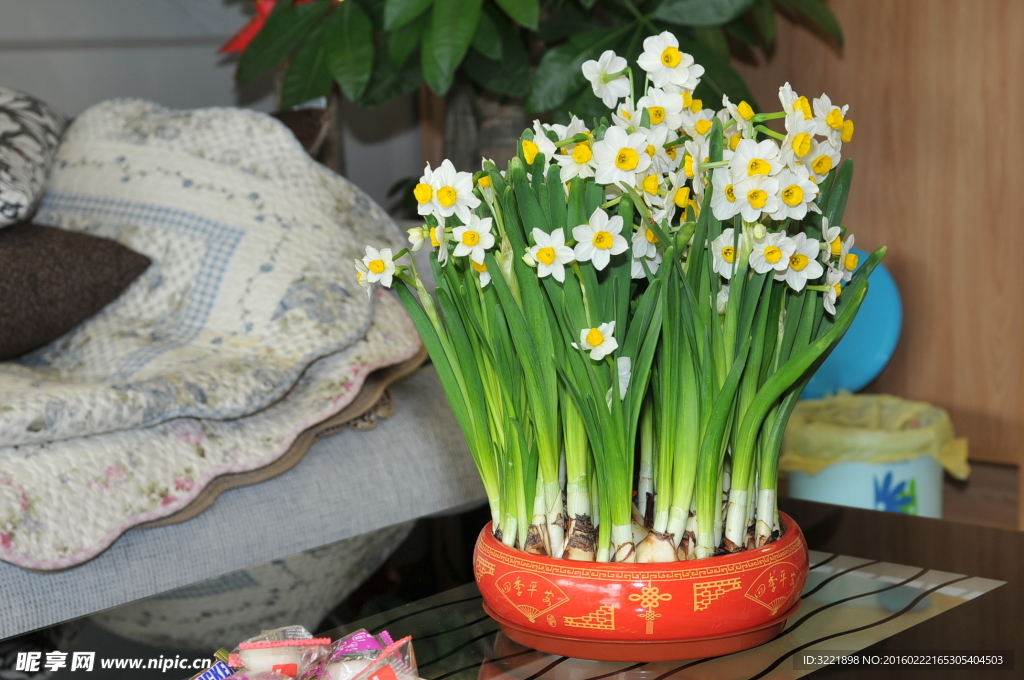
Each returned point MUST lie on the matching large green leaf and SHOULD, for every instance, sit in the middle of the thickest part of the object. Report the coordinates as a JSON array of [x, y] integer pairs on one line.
[[764, 16], [566, 21], [509, 75], [284, 30], [700, 12], [308, 76], [818, 14], [558, 76], [404, 41], [447, 39], [387, 82], [523, 12], [398, 13], [487, 40], [350, 48]]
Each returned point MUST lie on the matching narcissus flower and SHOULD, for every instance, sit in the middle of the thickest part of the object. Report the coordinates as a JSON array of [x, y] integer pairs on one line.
[[723, 253], [756, 195], [551, 254], [379, 266], [830, 120], [741, 113], [848, 260], [772, 253], [624, 369], [481, 269], [579, 162], [636, 267], [645, 242], [835, 289], [725, 201], [799, 142], [606, 77], [417, 235], [361, 276], [794, 103], [666, 64], [822, 158], [722, 300], [599, 239], [424, 192], [796, 194], [473, 239], [453, 192], [600, 341], [664, 110], [803, 263], [753, 159], [620, 157]]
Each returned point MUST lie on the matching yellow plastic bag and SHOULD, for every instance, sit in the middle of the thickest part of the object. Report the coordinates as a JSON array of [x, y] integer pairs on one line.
[[869, 428]]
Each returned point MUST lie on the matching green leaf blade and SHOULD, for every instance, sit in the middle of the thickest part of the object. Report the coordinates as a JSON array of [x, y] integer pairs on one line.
[[700, 12], [453, 24], [350, 48], [398, 13], [286, 26]]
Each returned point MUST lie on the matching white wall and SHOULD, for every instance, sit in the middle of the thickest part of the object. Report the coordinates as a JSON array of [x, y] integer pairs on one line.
[[75, 53]]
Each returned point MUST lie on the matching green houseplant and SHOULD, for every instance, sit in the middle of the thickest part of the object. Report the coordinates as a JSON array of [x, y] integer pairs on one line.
[[377, 50]]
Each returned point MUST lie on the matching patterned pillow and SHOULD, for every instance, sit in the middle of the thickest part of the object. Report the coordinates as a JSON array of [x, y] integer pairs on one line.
[[29, 134]]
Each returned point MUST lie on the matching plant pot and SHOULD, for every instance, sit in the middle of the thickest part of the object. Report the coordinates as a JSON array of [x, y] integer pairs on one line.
[[642, 612]]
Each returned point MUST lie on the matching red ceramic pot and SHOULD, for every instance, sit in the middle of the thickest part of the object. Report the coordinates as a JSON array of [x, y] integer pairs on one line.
[[642, 612]]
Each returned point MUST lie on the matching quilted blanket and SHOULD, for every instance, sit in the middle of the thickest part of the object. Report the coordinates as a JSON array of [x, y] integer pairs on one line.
[[247, 329], [252, 244]]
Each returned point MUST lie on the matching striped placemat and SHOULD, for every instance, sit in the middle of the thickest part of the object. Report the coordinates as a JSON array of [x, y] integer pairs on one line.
[[849, 603]]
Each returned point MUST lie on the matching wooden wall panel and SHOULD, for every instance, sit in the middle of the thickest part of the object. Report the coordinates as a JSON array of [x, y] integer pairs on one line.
[[936, 90]]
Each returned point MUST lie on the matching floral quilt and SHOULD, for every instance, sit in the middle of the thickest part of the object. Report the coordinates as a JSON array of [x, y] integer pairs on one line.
[[247, 328]]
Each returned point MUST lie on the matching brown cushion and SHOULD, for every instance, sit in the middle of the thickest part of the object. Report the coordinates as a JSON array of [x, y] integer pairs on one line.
[[52, 279], [309, 126]]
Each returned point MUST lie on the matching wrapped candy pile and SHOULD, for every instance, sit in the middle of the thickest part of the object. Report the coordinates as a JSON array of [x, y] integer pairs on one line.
[[292, 652]]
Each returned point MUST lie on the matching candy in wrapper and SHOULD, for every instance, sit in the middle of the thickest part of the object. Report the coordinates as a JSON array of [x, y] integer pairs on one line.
[[396, 662], [352, 654], [291, 652], [247, 675]]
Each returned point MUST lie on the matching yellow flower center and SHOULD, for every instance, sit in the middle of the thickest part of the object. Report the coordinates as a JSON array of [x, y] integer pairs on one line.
[[804, 107], [603, 240], [728, 253], [772, 254], [484, 181], [834, 119], [758, 166], [626, 158], [793, 195], [734, 141], [687, 100], [657, 114], [376, 266], [446, 196], [360, 277], [836, 247], [688, 165], [530, 151], [650, 235], [702, 126], [582, 153], [757, 198], [671, 56], [838, 289], [822, 164], [423, 193], [696, 105], [798, 262], [682, 197], [801, 144], [650, 150], [546, 255], [433, 237], [847, 133], [730, 194], [470, 238], [671, 152], [651, 184], [478, 267], [745, 110], [595, 337], [851, 261]]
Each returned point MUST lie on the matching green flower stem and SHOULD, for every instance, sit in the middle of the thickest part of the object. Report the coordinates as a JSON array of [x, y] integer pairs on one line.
[[761, 117], [609, 77], [712, 164], [575, 139], [771, 133]]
